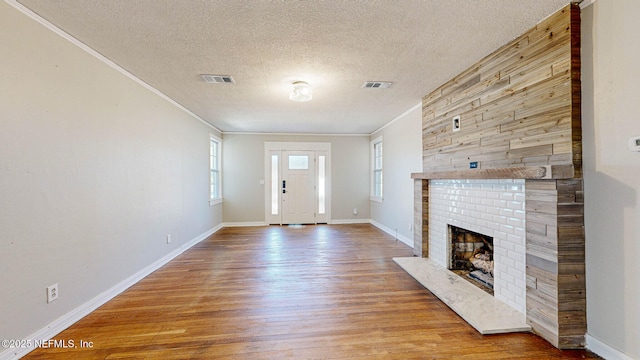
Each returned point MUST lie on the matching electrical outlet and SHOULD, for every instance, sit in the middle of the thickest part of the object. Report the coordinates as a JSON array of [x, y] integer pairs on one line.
[[52, 292], [410, 226], [355, 211], [168, 238]]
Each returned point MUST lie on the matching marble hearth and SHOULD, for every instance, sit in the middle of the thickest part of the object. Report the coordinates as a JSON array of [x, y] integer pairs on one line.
[[492, 207], [484, 312]]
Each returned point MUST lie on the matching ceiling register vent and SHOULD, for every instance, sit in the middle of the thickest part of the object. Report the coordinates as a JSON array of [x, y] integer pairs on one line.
[[377, 84], [218, 79]]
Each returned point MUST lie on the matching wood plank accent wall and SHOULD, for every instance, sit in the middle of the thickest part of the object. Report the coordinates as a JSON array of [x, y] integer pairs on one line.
[[421, 217], [519, 106], [556, 298], [520, 118]]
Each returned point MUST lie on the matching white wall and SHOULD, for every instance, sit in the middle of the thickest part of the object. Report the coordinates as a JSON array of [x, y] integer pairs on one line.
[[243, 168], [610, 82], [402, 155], [95, 171]]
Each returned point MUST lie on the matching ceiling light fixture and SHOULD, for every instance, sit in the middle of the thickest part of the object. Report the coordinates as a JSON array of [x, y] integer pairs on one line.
[[300, 91]]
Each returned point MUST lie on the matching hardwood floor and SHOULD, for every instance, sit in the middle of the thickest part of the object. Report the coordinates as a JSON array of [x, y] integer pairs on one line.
[[312, 292]]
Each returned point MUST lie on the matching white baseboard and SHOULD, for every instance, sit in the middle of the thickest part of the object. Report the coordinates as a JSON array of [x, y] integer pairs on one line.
[[349, 221], [334, 222], [392, 232], [244, 224], [604, 350], [85, 309]]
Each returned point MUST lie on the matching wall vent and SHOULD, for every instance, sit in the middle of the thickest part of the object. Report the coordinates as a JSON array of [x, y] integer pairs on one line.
[[377, 84], [218, 79]]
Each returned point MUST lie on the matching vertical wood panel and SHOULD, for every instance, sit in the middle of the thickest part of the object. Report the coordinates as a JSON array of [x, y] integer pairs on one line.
[[421, 218], [417, 217]]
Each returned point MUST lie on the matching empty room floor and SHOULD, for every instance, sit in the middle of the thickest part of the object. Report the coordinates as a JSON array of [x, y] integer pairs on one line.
[[280, 292]]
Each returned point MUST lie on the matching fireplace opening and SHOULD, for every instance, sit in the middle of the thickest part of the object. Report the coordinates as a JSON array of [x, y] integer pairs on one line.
[[472, 257]]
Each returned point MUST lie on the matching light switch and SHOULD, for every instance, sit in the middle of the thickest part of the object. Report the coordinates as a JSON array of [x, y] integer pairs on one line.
[[455, 123], [634, 143]]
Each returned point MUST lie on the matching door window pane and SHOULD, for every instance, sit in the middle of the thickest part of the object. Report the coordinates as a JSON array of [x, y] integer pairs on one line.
[[298, 162]]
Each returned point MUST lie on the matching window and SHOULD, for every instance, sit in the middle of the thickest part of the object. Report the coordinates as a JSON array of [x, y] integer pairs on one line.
[[376, 170], [298, 162], [215, 187], [322, 194], [274, 184]]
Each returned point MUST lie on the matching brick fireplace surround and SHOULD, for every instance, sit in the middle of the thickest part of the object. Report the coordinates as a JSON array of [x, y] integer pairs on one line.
[[495, 208], [554, 302], [520, 121]]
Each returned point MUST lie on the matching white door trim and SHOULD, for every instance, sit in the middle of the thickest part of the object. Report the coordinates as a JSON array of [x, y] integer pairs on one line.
[[277, 148]]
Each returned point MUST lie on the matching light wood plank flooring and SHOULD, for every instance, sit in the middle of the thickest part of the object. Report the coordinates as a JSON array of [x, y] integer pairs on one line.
[[316, 292]]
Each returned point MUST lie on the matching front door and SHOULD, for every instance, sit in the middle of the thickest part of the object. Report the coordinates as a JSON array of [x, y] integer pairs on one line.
[[298, 187]]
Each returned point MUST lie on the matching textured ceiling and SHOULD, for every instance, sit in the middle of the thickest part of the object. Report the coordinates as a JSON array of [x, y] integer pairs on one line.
[[266, 45]]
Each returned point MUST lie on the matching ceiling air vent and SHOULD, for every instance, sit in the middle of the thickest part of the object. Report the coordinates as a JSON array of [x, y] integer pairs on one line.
[[377, 84], [218, 79]]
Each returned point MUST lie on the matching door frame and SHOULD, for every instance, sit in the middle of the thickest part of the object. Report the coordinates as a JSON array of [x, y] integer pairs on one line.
[[319, 148]]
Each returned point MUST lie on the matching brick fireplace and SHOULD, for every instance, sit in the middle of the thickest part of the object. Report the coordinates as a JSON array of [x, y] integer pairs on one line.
[[553, 262], [512, 169], [495, 208]]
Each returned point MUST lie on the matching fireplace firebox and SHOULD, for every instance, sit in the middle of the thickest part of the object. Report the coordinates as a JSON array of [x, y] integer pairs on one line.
[[472, 256]]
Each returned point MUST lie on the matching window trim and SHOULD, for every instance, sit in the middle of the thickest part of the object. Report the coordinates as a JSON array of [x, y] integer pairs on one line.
[[372, 195], [218, 163]]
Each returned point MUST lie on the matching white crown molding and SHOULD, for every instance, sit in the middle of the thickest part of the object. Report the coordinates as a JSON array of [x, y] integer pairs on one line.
[[103, 59], [586, 3], [419, 105], [286, 134]]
